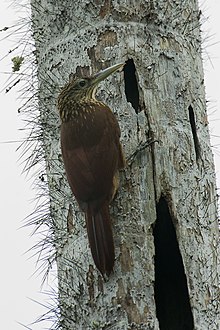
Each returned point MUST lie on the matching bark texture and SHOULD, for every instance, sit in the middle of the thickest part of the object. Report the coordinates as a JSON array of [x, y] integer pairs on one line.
[[170, 181]]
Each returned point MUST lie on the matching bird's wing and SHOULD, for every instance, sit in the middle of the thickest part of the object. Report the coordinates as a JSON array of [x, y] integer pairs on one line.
[[90, 167]]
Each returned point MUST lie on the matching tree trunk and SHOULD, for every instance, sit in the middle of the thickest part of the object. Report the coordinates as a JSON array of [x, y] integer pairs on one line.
[[164, 218]]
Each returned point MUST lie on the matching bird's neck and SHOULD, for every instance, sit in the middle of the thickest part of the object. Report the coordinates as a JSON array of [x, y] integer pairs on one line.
[[76, 109]]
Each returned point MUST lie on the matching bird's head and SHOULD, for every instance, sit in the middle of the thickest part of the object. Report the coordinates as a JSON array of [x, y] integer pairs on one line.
[[81, 89]]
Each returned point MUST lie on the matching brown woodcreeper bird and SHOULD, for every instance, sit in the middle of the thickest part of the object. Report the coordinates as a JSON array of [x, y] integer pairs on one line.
[[92, 156]]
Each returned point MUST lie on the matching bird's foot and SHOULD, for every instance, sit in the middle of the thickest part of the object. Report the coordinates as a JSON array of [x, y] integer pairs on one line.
[[141, 146]]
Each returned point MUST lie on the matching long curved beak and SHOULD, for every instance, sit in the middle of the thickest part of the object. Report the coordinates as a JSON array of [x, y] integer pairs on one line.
[[101, 75]]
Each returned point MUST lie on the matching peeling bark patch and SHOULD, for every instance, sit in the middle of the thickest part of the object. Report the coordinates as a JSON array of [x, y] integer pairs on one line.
[[125, 299], [100, 284], [80, 71], [70, 219], [90, 284], [105, 9], [194, 132], [125, 259], [107, 39], [96, 53], [131, 85], [170, 290]]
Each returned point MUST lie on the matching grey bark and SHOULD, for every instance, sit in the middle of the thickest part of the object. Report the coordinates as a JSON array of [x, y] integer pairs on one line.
[[163, 39]]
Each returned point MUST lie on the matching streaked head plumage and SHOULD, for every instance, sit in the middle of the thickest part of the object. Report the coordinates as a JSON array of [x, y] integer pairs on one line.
[[81, 89]]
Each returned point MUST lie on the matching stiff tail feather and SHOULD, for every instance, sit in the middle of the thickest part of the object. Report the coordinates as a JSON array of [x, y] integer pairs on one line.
[[100, 236]]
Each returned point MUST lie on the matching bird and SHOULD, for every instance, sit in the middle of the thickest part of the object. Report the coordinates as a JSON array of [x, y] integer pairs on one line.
[[92, 155]]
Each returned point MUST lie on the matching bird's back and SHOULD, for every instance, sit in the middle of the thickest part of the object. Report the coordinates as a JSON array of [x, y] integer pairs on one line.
[[91, 152]]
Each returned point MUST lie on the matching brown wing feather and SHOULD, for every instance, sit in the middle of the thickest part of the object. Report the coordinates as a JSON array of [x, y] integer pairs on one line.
[[90, 167], [92, 155]]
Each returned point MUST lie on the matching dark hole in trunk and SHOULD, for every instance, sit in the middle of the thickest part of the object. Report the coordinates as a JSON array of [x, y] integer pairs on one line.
[[194, 133], [131, 85], [171, 293]]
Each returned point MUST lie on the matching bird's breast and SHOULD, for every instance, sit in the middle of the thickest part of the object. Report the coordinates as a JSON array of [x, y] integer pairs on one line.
[[86, 125]]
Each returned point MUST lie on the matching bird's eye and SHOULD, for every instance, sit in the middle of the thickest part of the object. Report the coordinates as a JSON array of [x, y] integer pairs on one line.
[[82, 83]]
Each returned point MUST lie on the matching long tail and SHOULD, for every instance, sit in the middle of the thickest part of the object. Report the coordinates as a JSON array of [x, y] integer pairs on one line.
[[99, 231]]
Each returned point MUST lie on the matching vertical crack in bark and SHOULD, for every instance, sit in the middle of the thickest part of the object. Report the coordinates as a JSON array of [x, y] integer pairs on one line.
[[131, 85], [194, 133], [70, 225], [171, 292]]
